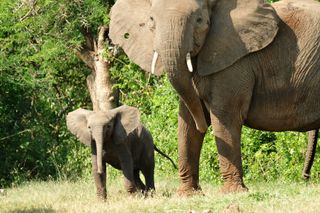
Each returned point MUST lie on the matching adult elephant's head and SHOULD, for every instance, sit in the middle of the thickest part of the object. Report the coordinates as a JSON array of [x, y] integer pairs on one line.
[[98, 128], [216, 32]]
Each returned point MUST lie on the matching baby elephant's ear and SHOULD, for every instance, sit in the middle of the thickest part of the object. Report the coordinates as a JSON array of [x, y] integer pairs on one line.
[[77, 124], [127, 119]]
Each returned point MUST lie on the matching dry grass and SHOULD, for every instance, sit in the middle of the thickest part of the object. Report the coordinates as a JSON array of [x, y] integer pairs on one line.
[[80, 197]]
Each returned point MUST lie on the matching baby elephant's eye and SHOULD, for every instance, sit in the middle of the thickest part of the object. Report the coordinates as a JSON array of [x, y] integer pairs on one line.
[[199, 20], [151, 18]]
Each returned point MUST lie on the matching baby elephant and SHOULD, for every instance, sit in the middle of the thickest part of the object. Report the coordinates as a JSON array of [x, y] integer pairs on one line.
[[116, 137]]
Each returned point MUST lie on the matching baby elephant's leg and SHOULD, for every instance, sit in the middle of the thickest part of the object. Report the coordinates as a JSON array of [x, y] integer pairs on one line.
[[126, 163], [100, 179], [137, 180], [148, 173]]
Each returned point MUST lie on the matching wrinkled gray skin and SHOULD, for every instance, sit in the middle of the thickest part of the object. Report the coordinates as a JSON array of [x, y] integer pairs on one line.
[[253, 64], [118, 138], [311, 151]]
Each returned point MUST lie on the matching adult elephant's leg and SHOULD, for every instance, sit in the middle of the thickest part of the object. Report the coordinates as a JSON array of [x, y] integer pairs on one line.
[[227, 130], [100, 179], [312, 144], [189, 146]]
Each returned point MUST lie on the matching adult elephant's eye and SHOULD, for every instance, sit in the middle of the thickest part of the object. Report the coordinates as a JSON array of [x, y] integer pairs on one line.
[[151, 23], [199, 20]]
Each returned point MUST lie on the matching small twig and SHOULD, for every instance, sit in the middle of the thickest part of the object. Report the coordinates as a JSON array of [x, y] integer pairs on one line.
[[120, 61], [18, 7], [19, 133], [30, 12]]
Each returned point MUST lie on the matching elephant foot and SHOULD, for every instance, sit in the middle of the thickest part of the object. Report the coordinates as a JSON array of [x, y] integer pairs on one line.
[[189, 190], [130, 186], [141, 188], [102, 197], [132, 190], [101, 194], [233, 187], [306, 176], [148, 193]]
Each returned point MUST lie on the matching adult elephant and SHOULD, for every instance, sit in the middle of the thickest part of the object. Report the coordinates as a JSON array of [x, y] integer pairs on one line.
[[233, 63]]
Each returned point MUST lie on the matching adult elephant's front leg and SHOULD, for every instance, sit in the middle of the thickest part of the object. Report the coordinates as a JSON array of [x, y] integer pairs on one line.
[[189, 146], [227, 130], [100, 179]]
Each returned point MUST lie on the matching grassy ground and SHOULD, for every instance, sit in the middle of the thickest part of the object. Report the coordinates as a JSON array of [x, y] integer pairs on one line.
[[80, 197]]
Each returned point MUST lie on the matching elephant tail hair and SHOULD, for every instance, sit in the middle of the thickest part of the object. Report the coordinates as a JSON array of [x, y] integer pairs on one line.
[[166, 156]]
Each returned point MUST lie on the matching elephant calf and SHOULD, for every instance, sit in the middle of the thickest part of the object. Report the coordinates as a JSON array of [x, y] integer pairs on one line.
[[116, 137]]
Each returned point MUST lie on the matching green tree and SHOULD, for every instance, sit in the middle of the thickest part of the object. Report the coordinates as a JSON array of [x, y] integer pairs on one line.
[[41, 80]]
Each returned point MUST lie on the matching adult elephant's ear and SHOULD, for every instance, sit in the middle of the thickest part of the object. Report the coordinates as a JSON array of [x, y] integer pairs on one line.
[[238, 27], [127, 119], [131, 29], [77, 124]]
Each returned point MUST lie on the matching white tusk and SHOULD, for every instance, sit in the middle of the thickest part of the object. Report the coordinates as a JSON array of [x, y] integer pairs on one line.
[[154, 62], [189, 63]]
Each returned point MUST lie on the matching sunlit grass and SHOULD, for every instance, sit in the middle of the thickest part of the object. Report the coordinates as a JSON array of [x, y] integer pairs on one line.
[[79, 196]]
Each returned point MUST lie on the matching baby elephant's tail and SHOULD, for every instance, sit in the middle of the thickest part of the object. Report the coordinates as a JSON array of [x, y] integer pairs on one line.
[[166, 156]]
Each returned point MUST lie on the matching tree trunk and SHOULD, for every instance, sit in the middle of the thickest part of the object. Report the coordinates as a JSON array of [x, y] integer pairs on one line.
[[99, 81]]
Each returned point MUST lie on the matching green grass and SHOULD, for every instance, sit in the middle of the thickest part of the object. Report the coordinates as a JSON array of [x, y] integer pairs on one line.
[[79, 196]]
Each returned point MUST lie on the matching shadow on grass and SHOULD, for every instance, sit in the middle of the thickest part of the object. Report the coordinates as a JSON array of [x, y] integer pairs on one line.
[[33, 210]]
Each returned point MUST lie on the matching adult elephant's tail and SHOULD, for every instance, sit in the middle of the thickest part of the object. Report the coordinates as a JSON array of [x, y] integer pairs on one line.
[[311, 150]]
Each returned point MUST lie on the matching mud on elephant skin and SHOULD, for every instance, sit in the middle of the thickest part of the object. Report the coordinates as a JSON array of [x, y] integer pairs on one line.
[[118, 138], [245, 62]]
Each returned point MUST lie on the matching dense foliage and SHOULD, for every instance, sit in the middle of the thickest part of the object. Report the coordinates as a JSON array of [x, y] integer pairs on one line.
[[41, 80]]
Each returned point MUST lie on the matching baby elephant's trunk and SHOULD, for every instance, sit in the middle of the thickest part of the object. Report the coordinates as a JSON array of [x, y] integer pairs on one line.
[[99, 147]]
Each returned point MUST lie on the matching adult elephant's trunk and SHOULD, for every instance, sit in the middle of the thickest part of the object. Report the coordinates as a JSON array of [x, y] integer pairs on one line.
[[174, 48], [312, 143]]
